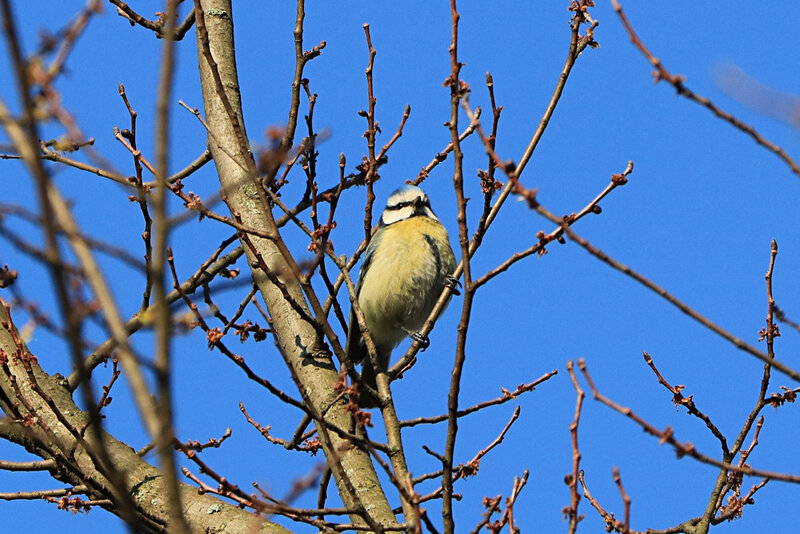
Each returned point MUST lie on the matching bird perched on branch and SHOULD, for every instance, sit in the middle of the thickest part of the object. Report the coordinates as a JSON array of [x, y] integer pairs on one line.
[[406, 266]]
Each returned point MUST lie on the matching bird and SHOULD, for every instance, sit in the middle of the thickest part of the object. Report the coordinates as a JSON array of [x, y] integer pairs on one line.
[[406, 266]]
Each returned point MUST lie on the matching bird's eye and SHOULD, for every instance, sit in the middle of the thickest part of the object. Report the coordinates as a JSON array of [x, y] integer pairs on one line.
[[416, 201], [398, 206]]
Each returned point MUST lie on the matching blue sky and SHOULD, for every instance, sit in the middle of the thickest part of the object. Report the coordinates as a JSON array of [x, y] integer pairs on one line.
[[697, 217]]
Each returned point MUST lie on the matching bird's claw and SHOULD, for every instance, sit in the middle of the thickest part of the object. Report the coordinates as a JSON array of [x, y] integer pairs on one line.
[[422, 339], [453, 284]]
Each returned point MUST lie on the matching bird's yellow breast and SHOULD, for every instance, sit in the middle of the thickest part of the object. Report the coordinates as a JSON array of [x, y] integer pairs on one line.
[[404, 278]]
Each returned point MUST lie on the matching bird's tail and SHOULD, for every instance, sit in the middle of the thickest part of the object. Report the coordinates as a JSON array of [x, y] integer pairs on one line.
[[367, 399]]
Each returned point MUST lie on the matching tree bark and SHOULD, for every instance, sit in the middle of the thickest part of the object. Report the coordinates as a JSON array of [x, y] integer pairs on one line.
[[32, 422], [305, 351]]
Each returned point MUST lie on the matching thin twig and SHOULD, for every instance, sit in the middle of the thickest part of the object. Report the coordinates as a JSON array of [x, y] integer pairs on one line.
[[572, 480], [738, 343], [678, 82]]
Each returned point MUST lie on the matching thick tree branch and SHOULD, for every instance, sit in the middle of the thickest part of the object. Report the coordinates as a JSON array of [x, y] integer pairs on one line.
[[306, 355], [48, 435]]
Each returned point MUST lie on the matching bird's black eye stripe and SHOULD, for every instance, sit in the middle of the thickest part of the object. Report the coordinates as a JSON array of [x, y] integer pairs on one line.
[[398, 206], [401, 205]]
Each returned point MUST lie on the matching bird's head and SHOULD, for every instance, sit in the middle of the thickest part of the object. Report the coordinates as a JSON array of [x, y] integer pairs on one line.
[[406, 202]]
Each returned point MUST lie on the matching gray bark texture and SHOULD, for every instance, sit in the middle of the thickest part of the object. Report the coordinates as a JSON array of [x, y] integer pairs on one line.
[[42, 417], [306, 353]]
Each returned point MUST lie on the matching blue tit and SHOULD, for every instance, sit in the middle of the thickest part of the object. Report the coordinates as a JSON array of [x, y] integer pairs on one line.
[[406, 265]]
